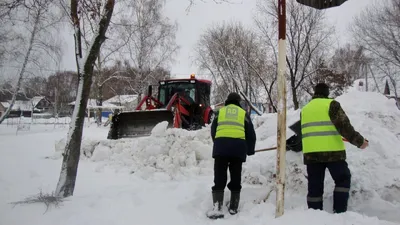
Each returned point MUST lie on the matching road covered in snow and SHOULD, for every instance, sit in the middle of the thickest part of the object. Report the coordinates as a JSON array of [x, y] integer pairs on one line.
[[166, 178]]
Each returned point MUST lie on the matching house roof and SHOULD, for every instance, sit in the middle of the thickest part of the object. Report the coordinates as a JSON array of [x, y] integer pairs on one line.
[[5, 104], [35, 100], [24, 105], [122, 99], [93, 105]]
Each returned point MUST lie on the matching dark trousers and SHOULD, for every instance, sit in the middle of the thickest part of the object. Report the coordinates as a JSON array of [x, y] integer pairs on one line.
[[221, 165], [340, 174]]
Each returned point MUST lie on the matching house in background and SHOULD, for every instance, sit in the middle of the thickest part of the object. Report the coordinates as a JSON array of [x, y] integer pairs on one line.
[[38, 106], [129, 102], [91, 107]]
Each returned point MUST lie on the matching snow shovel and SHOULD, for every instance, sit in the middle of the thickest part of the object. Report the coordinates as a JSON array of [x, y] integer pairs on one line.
[[296, 128]]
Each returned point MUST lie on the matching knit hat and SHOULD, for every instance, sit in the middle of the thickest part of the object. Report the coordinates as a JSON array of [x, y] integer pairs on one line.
[[233, 98], [321, 89]]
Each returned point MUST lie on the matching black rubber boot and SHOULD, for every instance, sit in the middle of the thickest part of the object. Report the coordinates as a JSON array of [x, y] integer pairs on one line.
[[340, 202], [234, 203], [218, 199]]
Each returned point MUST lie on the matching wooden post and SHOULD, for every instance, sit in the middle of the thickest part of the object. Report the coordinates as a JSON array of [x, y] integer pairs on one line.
[[281, 129]]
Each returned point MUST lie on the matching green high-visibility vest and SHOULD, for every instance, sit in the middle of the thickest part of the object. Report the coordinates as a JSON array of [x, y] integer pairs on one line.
[[231, 122], [318, 132]]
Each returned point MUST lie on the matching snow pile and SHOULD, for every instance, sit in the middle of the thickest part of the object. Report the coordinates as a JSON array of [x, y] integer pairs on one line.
[[166, 154]]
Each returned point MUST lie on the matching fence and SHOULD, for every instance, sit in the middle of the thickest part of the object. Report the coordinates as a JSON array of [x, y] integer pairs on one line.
[[19, 121]]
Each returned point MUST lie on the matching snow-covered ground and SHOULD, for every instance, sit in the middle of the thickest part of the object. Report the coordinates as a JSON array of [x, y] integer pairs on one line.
[[166, 178]]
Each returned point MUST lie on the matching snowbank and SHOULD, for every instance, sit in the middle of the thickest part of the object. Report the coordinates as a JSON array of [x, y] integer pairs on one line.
[[166, 154]]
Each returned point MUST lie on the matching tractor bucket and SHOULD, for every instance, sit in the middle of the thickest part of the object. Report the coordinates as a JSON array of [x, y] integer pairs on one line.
[[138, 123]]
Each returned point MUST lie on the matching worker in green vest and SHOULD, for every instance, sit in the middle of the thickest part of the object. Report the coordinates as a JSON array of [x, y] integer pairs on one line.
[[323, 124], [234, 139]]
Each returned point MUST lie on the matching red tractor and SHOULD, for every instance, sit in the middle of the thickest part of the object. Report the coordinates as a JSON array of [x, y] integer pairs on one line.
[[184, 103]]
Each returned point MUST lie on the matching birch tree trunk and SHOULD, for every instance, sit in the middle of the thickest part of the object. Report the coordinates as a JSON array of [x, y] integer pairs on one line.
[[25, 62], [69, 167], [99, 91]]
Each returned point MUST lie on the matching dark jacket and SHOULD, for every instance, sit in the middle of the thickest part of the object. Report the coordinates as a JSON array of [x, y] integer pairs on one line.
[[344, 127], [234, 147]]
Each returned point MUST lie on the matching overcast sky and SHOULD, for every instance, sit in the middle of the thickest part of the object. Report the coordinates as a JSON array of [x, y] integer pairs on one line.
[[203, 14]]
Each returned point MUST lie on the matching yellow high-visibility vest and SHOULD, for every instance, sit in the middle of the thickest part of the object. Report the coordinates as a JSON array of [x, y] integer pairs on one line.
[[231, 122], [318, 132]]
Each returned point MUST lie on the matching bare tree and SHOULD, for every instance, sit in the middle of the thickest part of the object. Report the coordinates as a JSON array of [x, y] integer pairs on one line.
[[85, 66], [193, 2], [61, 88], [339, 71], [110, 50], [350, 60], [35, 86], [233, 56], [7, 7], [141, 35], [337, 81], [392, 73], [308, 36], [151, 44], [115, 80], [3, 39], [6, 88], [37, 18], [377, 30]]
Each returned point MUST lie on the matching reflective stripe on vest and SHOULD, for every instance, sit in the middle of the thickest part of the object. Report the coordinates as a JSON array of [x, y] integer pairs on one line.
[[319, 134], [231, 122]]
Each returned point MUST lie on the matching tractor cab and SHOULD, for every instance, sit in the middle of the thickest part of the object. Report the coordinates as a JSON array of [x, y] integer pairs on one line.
[[167, 89], [195, 91]]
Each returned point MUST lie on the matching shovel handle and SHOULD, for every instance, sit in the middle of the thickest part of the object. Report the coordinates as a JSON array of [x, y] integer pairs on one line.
[[273, 148], [266, 149]]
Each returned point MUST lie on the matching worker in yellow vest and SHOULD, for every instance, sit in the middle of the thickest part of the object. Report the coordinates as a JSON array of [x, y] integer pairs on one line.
[[234, 139], [323, 124]]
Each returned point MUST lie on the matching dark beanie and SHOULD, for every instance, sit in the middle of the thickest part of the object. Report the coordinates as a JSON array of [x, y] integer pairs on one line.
[[233, 98], [321, 89]]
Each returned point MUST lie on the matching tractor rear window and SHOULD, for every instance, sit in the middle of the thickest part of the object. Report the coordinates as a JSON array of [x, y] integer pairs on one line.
[[204, 94]]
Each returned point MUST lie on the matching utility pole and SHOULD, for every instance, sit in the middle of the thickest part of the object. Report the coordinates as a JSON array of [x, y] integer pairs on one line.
[[55, 102], [281, 129], [373, 76], [366, 76]]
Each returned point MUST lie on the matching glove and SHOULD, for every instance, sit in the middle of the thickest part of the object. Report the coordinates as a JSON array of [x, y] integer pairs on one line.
[[365, 144]]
